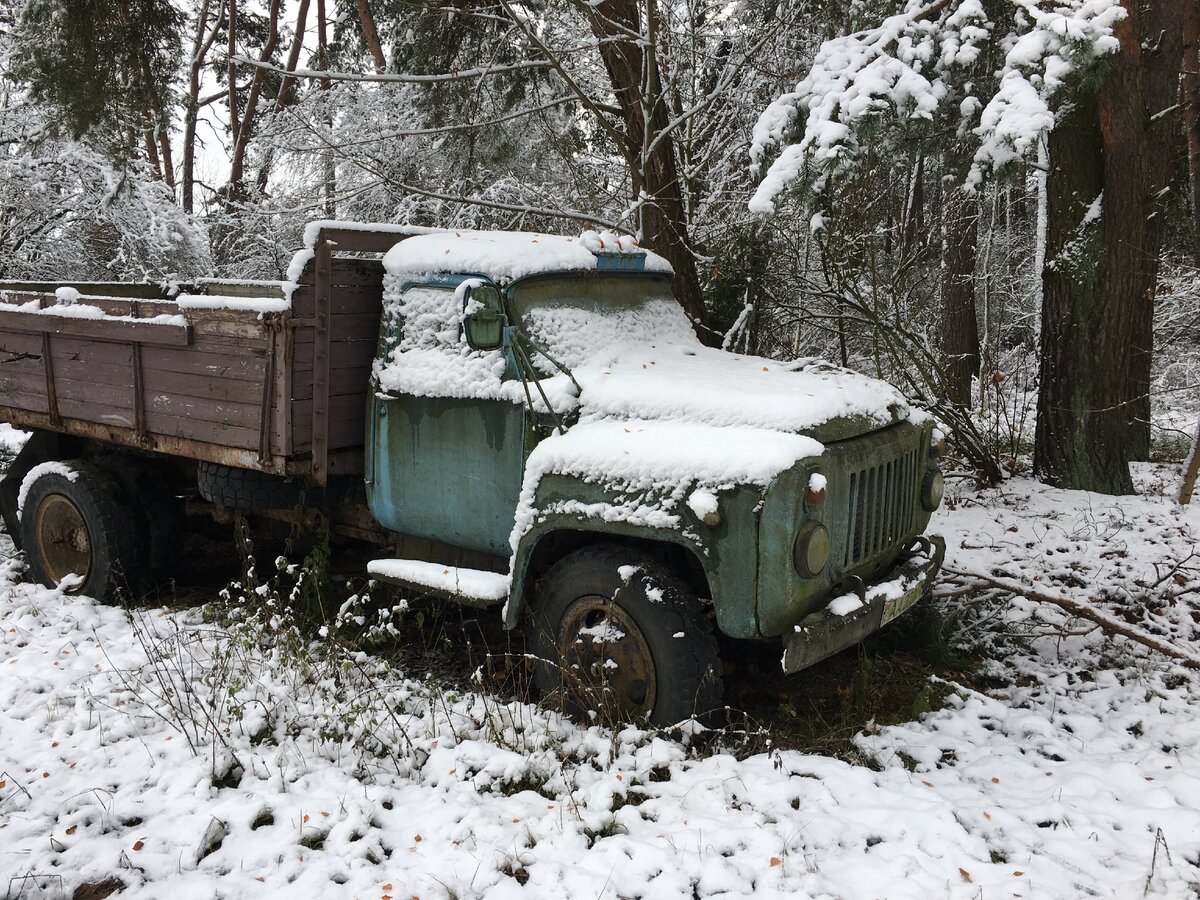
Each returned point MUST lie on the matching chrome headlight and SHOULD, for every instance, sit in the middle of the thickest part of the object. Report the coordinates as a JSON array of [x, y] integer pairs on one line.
[[810, 552]]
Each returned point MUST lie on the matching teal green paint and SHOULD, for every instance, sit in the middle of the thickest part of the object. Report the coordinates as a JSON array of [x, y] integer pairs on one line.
[[727, 553], [784, 597], [449, 470]]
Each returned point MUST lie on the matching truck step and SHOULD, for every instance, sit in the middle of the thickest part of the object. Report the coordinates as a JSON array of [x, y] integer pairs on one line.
[[472, 587]]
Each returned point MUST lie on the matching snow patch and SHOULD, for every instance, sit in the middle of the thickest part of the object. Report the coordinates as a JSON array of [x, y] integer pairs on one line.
[[474, 583], [260, 305], [52, 467], [703, 503]]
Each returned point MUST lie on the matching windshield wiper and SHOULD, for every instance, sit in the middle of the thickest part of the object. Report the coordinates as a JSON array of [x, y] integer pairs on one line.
[[525, 368]]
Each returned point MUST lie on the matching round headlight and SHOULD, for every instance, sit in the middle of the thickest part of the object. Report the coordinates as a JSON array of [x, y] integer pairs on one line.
[[932, 490], [810, 553]]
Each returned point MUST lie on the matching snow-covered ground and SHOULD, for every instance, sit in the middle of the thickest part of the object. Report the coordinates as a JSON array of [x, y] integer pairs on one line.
[[1078, 775]]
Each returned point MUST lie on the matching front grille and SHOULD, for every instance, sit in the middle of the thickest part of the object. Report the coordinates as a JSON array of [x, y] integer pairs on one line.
[[882, 503]]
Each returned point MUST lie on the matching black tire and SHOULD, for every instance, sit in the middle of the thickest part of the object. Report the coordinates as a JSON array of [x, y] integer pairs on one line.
[[158, 514], [68, 524], [246, 488], [669, 668]]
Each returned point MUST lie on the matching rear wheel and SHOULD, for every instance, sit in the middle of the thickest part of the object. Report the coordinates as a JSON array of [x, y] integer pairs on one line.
[[158, 515], [75, 528], [618, 633], [246, 488]]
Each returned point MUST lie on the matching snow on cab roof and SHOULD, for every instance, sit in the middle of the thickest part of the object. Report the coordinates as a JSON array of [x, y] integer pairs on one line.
[[506, 256]]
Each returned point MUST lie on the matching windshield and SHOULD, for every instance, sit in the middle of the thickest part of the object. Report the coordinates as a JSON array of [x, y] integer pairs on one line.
[[575, 317]]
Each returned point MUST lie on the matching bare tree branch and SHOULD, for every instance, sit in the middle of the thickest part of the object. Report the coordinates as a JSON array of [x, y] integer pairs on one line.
[[394, 78]]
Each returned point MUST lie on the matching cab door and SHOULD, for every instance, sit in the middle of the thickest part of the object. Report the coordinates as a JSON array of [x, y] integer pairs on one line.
[[446, 452]]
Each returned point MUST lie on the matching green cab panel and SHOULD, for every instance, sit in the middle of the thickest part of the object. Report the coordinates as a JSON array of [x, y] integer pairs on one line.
[[446, 469], [872, 512]]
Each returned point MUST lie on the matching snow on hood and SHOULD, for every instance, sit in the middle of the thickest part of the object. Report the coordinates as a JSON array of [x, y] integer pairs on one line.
[[503, 256], [717, 388]]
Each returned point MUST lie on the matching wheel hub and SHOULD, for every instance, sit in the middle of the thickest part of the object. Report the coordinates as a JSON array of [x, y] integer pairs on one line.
[[607, 664], [62, 538]]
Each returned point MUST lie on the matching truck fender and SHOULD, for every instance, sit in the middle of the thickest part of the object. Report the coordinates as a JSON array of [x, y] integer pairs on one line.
[[42, 446], [548, 542]]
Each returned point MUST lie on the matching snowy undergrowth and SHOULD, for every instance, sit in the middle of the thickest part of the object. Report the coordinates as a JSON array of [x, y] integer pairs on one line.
[[192, 759]]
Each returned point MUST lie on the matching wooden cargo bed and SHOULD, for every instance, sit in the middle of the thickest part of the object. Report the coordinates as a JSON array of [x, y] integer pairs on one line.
[[281, 391]]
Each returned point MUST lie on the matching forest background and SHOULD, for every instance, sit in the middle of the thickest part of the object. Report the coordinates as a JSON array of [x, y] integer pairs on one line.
[[990, 202]]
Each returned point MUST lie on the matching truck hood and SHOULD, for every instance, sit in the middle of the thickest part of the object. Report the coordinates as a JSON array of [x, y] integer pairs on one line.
[[713, 387]]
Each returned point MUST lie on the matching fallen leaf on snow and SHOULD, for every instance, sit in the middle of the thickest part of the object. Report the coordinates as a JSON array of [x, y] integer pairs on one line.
[[966, 876]]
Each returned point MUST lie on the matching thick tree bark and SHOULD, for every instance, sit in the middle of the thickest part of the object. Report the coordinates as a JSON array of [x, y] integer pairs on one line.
[[1191, 110], [1107, 179], [960, 327], [634, 74], [1076, 445], [1138, 119]]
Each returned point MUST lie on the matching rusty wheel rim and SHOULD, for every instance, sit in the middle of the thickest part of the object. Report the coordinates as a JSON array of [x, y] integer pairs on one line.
[[62, 538], [607, 664]]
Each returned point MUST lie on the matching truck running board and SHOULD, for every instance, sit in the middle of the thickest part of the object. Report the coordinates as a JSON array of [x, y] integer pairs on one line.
[[471, 587]]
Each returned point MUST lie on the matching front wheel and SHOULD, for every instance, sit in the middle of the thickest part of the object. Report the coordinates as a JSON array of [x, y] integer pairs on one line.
[[74, 529], [619, 633]]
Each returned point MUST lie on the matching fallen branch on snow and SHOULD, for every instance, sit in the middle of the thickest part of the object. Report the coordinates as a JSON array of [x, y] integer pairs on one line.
[[1109, 623]]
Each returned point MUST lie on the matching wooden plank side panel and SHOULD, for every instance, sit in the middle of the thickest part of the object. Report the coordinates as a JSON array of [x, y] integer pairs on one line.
[[141, 332], [347, 421]]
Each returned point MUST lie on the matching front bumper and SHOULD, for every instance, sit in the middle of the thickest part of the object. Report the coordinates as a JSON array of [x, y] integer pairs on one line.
[[827, 632]]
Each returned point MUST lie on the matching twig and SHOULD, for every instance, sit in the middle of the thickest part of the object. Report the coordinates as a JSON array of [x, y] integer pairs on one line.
[[1086, 611]]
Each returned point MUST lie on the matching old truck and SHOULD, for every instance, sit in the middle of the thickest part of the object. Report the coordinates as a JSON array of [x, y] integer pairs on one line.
[[519, 420]]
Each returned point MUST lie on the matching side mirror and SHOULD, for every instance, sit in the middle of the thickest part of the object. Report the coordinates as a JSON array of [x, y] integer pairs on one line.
[[483, 317]]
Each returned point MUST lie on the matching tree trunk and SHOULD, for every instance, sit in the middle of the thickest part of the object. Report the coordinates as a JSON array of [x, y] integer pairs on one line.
[[1191, 110], [633, 72], [1078, 443], [1136, 101], [371, 36], [151, 148], [328, 164], [200, 46], [245, 132], [1108, 174], [287, 88], [168, 160], [960, 327]]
